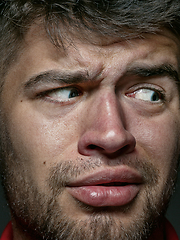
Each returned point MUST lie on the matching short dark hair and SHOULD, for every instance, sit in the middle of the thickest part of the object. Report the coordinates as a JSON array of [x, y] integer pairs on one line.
[[102, 17]]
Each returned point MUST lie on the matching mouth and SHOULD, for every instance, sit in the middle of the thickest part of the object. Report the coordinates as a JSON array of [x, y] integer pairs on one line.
[[111, 184], [108, 187]]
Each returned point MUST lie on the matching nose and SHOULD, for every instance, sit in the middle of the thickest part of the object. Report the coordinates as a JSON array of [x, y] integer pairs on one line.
[[104, 128]]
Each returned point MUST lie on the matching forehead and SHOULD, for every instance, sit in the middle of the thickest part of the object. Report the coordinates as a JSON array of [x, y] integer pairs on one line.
[[99, 55]]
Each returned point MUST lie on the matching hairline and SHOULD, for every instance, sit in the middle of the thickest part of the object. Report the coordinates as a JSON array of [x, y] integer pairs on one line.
[[59, 42]]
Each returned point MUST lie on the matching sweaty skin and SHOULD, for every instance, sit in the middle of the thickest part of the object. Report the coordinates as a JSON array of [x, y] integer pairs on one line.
[[84, 119]]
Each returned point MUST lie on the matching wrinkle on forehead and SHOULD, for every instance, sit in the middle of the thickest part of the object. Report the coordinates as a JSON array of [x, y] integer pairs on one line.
[[99, 59]]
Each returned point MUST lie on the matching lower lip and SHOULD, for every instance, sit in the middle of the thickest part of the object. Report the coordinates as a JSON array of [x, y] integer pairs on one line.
[[101, 196]]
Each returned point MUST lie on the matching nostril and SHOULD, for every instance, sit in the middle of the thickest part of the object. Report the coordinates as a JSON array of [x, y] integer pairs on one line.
[[119, 151], [92, 142], [92, 146], [125, 149], [111, 154]]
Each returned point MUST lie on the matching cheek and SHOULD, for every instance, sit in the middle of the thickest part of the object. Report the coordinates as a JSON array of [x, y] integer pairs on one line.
[[40, 143], [158, 139]]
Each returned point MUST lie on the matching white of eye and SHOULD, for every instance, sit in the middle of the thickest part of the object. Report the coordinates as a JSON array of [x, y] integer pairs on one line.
[[147, 95], [64, 94]]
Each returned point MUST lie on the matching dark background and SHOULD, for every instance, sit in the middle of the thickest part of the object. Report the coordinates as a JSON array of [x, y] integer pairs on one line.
[[173, 213]]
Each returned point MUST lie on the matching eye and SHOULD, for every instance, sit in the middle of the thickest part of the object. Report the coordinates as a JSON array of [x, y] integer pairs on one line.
[[63, 94], [149, 95]]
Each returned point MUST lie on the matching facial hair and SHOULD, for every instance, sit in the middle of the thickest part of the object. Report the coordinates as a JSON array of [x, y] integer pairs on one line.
[[41, 216]]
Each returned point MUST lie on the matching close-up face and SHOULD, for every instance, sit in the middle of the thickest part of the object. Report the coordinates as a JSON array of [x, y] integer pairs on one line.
[[91, 135]]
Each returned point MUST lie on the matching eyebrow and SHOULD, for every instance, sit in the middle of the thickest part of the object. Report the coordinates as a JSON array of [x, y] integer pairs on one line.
[[55, 76], [68, 77], [155, 71]]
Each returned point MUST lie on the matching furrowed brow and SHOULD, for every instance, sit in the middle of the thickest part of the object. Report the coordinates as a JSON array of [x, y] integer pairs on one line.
[[155, 71], [57, 77]]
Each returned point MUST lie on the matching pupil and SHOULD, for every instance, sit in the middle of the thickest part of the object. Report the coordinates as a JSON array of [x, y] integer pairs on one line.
[[74, 93], [155, 97]]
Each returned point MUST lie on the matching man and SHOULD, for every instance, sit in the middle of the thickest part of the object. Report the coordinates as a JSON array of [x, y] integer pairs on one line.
[[90, 118]]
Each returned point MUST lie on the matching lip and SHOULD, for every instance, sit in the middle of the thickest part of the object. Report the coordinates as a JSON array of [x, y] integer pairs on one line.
[[108, 187]]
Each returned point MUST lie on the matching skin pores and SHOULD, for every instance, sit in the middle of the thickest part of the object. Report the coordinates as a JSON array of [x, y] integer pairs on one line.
[[91, 134]]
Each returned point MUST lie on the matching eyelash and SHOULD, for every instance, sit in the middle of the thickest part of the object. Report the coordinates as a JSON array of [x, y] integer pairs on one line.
[[161, 92], [133, 90], [44, 94]]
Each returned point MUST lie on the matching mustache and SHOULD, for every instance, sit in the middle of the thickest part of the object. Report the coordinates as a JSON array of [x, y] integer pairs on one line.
[[63, 173]]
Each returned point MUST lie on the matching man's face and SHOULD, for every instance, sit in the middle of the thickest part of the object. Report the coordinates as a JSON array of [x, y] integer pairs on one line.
[[91, 135]]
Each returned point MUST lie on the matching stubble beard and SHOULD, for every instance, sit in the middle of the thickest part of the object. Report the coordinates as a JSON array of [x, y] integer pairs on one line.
[[41, 216]]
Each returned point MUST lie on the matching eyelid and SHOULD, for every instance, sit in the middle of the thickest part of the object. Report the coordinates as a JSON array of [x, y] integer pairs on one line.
[[44, 95], [55, 87], [150, 86], [146, 85], [147, 95]]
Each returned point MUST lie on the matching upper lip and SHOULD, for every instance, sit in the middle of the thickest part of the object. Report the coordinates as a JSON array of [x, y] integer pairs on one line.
[[118, 175]]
